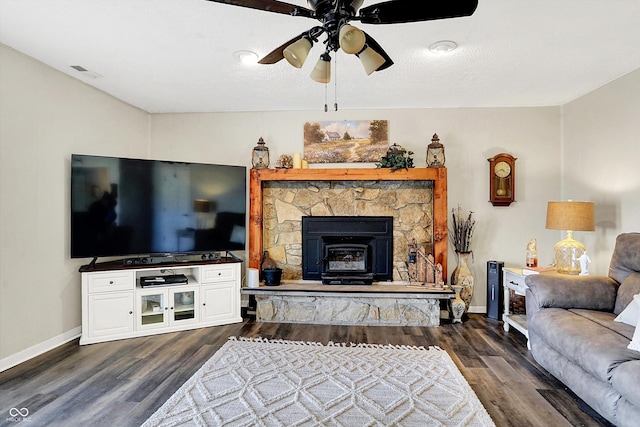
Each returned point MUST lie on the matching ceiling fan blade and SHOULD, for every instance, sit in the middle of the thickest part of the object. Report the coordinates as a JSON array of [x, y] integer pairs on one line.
[[399, 11], [270, 6], [277, 54]]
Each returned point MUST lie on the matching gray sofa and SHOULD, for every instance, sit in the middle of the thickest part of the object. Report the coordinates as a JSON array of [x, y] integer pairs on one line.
[[573, 335]]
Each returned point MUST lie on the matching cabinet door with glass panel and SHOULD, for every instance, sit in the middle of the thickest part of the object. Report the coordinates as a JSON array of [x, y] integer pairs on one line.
[[164, 307]]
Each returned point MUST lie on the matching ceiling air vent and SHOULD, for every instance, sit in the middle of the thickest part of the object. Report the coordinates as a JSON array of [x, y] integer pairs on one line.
[[86, 73]]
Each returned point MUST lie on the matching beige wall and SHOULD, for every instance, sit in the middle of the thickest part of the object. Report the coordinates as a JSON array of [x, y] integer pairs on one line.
[[601, 158], [45, 116], [470, 136]]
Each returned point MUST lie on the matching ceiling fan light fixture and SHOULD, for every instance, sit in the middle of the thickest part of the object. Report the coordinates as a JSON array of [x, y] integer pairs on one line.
[[322, 71], [371, 60], [351, 39], [296, 53]]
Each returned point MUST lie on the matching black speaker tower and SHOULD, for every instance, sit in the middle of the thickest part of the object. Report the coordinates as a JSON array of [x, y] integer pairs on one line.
[[495, 290]]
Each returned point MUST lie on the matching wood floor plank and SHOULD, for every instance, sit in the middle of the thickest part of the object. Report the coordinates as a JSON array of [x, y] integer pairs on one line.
[[538, 411], [572, 408], [121, 383]]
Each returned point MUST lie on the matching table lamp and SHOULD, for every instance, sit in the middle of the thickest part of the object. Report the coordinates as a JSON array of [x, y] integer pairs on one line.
[[571, 216]]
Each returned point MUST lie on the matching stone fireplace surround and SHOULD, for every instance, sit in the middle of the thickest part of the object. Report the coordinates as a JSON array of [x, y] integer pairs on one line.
[[280, 197]]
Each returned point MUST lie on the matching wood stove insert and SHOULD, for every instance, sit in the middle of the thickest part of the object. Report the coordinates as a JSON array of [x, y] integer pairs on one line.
[[347, 250]]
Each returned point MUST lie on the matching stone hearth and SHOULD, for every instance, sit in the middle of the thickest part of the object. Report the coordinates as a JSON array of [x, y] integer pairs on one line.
[[388, 304]]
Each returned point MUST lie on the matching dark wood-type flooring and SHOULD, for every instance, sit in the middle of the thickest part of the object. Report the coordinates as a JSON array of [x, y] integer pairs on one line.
[[121, 383]]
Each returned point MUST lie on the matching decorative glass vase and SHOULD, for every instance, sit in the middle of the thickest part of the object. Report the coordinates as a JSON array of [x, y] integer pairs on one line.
[[463, 278]]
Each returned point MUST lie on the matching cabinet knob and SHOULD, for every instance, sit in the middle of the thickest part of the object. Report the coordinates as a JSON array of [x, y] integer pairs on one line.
[[111, 282], [204, 303], [131, 312]]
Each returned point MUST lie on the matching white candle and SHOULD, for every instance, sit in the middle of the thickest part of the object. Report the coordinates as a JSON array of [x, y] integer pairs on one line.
[[305, 164], [297, 161], [253, 277]]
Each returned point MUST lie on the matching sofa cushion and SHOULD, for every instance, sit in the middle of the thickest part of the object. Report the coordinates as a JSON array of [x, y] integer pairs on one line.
[[595, 348], [625, 379], [606, 319], [626, 257], [628, 288]]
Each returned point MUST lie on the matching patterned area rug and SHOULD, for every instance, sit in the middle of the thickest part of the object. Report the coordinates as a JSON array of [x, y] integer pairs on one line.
[[257, 382]]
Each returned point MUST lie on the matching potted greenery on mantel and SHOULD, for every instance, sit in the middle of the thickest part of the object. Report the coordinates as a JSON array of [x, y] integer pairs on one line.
[[396, 158]]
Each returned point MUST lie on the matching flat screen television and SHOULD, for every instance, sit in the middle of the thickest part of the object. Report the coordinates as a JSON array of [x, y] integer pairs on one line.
[[137, 207]]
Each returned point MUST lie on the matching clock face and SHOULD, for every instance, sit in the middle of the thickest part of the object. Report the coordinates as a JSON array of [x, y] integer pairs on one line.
[[502, 169]]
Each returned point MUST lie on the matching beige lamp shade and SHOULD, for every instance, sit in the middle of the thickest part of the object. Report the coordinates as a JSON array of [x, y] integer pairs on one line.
[[574, 216], [322, 71], [570, 216], [371, 60], [351, 39], [296, 53]]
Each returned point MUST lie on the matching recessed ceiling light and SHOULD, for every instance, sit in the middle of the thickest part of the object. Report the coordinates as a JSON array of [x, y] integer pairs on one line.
[[245, 57], [443, 46]]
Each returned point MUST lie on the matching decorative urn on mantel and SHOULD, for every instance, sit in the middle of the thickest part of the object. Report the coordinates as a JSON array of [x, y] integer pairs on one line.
[[462, 281]]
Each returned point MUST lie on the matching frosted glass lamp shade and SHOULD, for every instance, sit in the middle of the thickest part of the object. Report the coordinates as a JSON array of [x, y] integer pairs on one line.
[[371, 60], [570, 216], [351, 39], [296, 53], [322, 71]]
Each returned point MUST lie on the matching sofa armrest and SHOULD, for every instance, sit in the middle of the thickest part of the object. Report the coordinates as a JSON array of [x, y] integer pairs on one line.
[[566, 291]]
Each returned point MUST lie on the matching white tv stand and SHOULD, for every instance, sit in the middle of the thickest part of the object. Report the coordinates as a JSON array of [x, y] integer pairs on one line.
[[115, 306]]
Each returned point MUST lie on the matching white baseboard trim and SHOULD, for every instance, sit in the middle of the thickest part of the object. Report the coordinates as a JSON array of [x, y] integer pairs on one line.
[[477, 309], [38, 349]]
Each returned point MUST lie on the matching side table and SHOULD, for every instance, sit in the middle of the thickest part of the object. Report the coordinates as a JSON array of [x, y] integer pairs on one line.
[[513, 278]]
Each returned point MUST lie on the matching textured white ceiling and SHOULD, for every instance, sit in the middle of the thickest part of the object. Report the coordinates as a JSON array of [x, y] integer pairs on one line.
[[177, 55]]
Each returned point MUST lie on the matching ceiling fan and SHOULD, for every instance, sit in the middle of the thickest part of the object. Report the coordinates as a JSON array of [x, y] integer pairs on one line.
[[335, 16]]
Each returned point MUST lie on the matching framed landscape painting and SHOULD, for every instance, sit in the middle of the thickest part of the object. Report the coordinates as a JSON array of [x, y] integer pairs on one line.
[[351, 141]]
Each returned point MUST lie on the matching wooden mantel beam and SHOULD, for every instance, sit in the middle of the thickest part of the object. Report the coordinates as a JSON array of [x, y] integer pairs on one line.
[[437, 175]]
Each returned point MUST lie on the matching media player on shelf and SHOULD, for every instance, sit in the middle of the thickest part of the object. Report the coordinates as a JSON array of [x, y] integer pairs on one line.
[[171, 279]]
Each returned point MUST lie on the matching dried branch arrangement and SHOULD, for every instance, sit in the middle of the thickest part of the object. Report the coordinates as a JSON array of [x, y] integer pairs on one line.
[[462, 230]]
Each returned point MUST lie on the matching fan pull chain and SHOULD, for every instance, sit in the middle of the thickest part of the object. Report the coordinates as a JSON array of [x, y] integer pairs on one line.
[[326, 108], [335, 82]]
